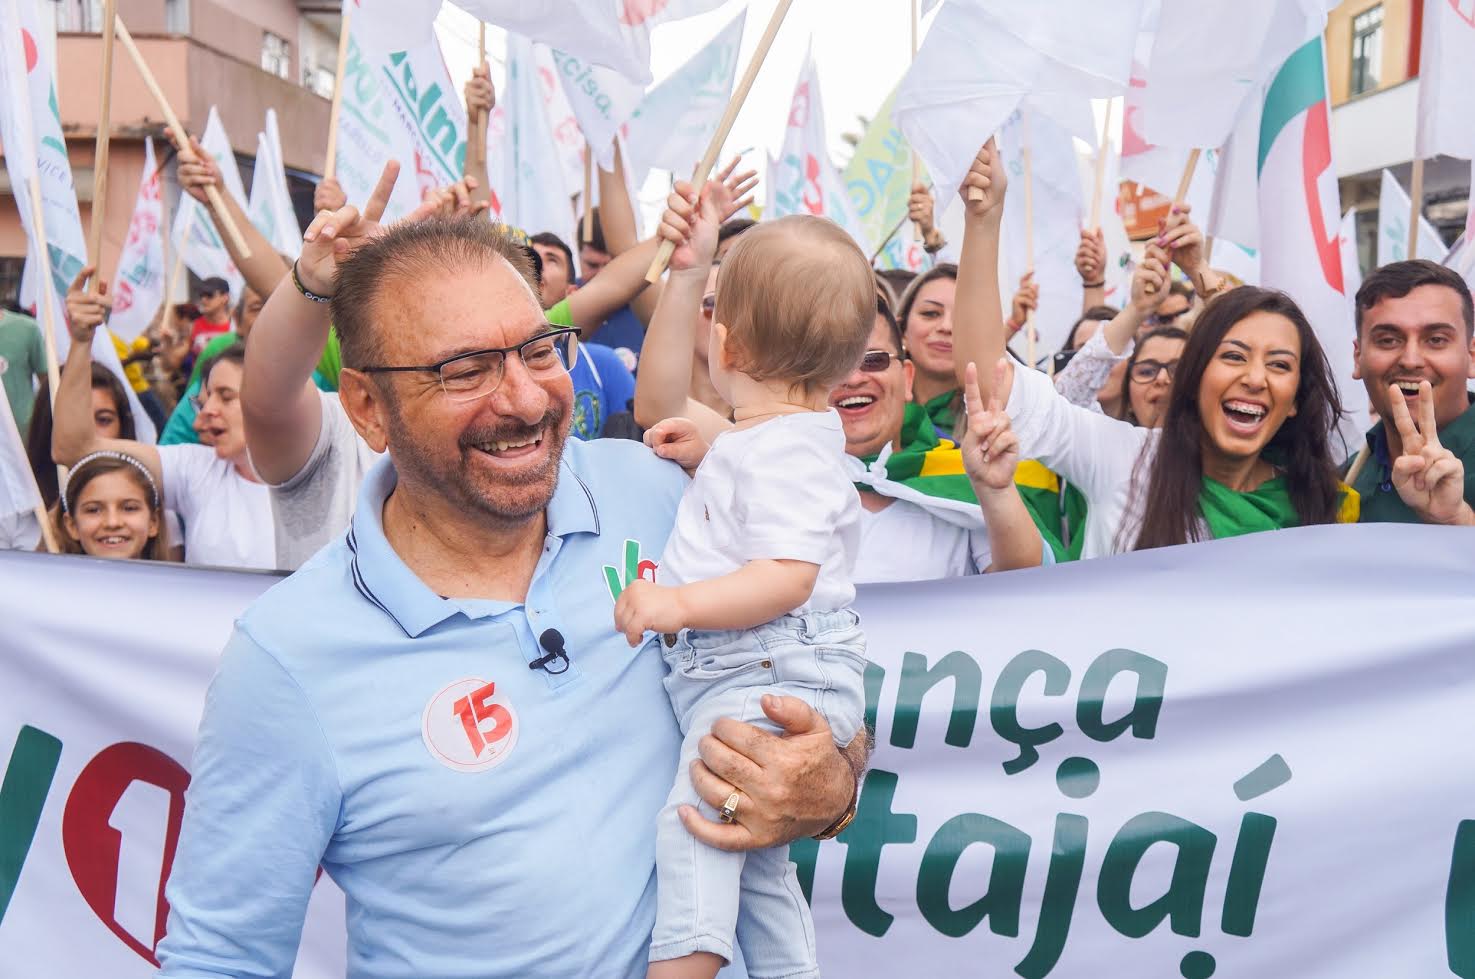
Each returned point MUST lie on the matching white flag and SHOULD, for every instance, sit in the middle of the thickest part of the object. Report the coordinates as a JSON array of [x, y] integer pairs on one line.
[[983, 57], [1446, 70], [18, 493], [1057, 205], [271, 205], [194, 235], [671, 128], [36, 154], [1211, 58], [602, 101], [1395, 208], [529, 178], [138, 288], [612, 33], [802, 178], [401, 106]]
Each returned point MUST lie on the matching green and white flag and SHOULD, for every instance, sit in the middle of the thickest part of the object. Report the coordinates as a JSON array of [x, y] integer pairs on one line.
[[397, 105], [879, 182]]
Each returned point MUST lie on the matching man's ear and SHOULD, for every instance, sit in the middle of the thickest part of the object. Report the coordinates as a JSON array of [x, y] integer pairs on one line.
[[365, 406], [1357, 359], [909, 374]]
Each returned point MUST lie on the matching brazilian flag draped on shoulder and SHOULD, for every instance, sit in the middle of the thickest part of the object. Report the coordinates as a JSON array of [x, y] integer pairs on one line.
[[1057, 507], [927, 470]]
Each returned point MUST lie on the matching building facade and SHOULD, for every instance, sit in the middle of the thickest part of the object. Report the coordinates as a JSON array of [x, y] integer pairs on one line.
[[242, 57]]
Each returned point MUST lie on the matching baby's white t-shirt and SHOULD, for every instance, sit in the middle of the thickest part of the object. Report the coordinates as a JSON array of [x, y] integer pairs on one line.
[[776, 491]]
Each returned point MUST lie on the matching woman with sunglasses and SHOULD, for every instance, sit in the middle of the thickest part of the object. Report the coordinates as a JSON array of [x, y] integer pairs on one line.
[[1244, 444]]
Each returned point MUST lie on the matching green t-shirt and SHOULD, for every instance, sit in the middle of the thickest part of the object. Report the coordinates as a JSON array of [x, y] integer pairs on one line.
[[1380, 501], [328, 365], [559, 314], [22, 359]]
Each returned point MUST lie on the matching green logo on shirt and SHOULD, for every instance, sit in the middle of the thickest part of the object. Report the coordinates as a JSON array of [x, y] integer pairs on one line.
[[634, 568]]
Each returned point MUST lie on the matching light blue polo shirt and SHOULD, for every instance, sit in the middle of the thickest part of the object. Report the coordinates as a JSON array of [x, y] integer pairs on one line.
[[483, 819]]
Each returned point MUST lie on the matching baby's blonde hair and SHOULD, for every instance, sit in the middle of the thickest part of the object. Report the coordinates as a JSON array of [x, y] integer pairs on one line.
[[798, 299]]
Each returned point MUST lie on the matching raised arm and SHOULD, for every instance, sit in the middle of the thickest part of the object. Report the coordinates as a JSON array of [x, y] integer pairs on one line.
[[265, 268], [73, 433], [480, 100], [663, 386], [281, 407], [979, 334], [617, 218]]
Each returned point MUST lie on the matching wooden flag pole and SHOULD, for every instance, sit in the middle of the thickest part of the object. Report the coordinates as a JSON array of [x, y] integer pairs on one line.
[[1029, 236], [916, 228], [1184, 183], [101, 145], [172, 286], [479, 124], [1416, 198], [330, 164], [47, 293], [1101, 152], [729, 116], [587, 233], [181, 140]]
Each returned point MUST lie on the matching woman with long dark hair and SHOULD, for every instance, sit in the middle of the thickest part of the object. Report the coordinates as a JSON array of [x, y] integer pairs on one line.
[[1245, 440]]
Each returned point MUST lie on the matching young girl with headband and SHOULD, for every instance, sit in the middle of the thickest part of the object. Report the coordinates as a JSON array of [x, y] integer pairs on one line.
[[112, 509]]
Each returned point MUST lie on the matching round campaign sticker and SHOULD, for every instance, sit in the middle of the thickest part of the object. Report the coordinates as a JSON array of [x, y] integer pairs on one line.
[[468, 727]]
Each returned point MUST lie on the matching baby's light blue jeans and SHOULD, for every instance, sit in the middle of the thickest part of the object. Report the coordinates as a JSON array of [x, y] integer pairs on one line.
[[706, 896]]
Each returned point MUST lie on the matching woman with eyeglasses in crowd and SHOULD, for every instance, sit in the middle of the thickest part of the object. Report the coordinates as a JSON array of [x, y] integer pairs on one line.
[[1244, 439]]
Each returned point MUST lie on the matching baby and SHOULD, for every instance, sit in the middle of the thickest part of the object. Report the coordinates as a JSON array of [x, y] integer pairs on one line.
[[757, 575]]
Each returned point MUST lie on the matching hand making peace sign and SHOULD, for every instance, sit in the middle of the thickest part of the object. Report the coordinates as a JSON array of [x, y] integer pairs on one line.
[[335, 235], [1429, 477]]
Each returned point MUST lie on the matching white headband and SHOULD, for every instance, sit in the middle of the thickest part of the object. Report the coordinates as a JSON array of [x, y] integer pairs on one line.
[[148, 477]]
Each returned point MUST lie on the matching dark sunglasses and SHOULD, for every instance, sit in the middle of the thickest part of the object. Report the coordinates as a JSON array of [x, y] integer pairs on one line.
[[709, 304], [1166, 319], [876, 361]]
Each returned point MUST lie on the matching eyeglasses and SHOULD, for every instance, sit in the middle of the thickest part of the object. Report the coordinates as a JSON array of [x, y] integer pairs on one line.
[[709, 305], [1146, 371], [876, 361], [470, 376], [1166, 319]]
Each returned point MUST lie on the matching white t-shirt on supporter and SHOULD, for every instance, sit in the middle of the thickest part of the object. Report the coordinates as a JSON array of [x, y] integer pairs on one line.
[[227, 518], [316, 504], [776, 491], [904, 542]]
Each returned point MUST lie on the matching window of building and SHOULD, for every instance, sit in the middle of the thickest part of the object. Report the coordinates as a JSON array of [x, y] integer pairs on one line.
[[1367, 49], [78, 16], [318, 80], [176, 16], [276, 55]]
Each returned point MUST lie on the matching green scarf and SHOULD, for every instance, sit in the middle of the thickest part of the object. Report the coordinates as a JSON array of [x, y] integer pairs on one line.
[[943, 411], [1230, 514], [924, 461]]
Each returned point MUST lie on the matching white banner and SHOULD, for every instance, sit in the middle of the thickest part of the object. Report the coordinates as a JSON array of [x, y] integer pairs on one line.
[[1148, 797], [138, 288]]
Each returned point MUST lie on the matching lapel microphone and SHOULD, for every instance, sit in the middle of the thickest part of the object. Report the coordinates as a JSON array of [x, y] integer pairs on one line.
[[552, 642]]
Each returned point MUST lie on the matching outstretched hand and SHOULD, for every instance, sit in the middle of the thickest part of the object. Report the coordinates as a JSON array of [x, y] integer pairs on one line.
[[732, 191], [1150, 282], [1428, 477], [196, 175], [690, 223], [1183, 240], [335, 235]]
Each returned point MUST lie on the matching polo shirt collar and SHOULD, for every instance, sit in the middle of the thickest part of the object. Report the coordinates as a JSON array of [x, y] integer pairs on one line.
[[385, 580], [1458, 436]]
